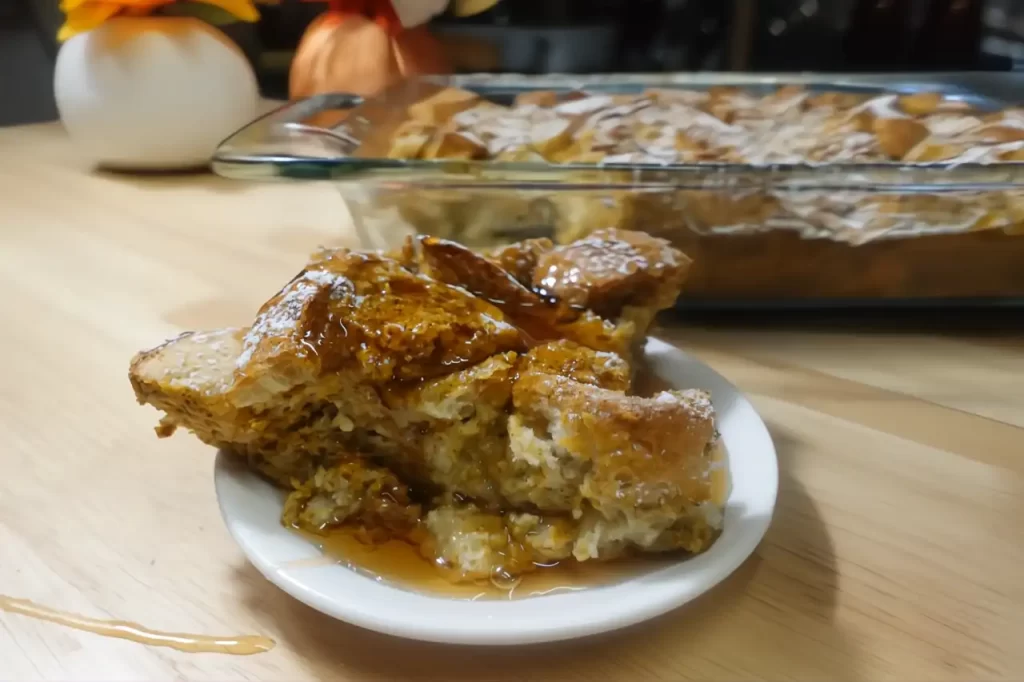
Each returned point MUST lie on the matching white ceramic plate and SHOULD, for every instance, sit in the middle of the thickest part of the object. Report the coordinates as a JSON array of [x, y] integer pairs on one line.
[[252, 508]]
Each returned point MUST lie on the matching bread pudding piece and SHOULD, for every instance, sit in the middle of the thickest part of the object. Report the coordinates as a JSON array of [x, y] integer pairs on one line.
[[189, 378], [645, 463], [599, 472], [495, 386], [354, 493]]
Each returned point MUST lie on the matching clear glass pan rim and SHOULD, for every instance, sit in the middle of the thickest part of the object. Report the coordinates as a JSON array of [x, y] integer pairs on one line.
[[470, 175], [260, 151]]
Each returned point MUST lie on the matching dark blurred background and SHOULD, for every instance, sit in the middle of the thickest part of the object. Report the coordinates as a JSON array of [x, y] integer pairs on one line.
[[593, 36]]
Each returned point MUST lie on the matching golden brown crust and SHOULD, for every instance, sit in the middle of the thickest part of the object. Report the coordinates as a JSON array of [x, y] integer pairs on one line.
[[585, 365], [187, 377], [641, 450], [611, 269]]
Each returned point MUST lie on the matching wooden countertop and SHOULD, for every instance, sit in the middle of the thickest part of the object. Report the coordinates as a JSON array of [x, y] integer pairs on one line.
[[896, 551]]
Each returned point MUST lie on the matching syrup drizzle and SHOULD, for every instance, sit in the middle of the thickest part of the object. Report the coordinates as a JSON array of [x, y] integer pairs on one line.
[[244, 645]]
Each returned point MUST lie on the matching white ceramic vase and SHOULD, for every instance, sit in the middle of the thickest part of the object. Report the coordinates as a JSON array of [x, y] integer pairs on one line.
[[153, 93]]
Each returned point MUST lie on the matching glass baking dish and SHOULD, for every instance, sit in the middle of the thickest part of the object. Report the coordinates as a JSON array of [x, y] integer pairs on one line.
[[851, 231]]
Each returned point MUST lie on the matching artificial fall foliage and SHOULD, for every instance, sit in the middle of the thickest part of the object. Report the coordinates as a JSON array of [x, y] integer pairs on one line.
[[85, 15]]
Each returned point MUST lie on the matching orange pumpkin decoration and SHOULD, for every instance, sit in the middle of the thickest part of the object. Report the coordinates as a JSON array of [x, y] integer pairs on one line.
[[360, 47]]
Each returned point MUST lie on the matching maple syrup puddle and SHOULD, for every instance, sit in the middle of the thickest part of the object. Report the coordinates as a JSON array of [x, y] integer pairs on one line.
[[399, 563], [245, 645]]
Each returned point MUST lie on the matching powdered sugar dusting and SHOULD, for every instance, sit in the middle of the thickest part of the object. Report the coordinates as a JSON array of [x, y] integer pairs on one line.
[[667, 127], [694, 400], [698, 402]]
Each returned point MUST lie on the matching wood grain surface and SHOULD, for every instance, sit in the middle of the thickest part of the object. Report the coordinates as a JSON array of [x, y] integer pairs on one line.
[[897, 550]]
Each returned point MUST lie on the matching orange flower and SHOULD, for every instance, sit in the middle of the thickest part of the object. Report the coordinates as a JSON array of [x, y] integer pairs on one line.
[[85, 15]]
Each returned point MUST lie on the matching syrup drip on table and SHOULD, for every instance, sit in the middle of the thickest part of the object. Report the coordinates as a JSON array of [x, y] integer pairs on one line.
[[244, 645]]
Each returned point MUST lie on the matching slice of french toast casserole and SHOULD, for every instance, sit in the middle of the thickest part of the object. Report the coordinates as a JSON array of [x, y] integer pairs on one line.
[[477, 405]]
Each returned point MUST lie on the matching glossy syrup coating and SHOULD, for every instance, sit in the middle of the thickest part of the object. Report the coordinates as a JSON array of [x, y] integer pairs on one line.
[[576, 362], [520, 259], [351, 310], [456, 264], [542, 316], [610, 269]]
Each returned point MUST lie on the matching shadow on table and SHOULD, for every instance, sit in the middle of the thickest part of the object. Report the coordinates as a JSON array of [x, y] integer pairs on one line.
[[170, 179], [772, 617]]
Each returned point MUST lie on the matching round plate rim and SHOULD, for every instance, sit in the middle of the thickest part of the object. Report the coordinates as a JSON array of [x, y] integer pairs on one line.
[[282, 556]]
